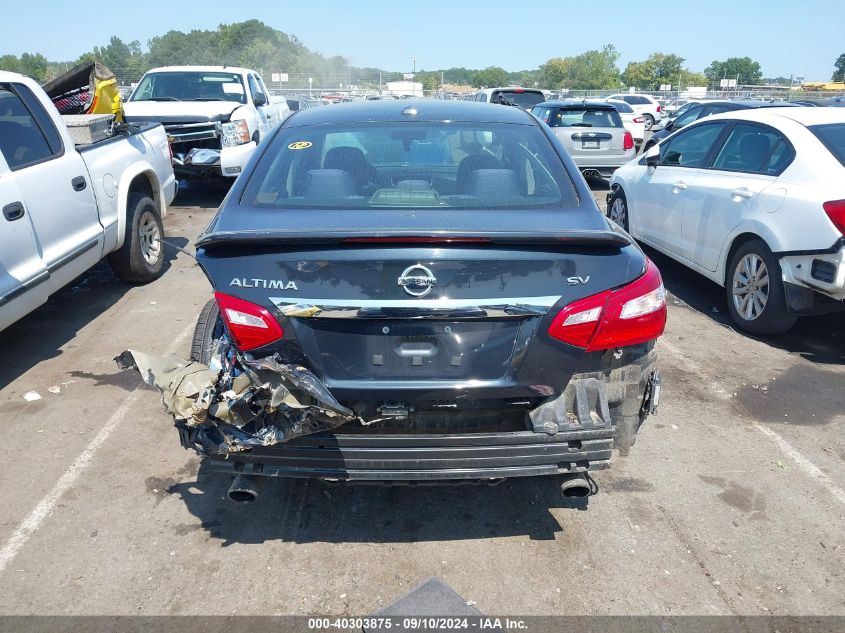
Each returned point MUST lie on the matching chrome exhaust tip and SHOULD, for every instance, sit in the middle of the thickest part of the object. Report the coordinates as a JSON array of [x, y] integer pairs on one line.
[[244, 489], [575, 487]]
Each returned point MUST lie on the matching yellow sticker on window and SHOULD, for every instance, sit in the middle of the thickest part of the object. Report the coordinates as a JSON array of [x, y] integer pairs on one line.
[[300, 145]]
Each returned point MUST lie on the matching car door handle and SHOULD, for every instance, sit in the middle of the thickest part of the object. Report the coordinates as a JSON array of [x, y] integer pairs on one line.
[[13, 211], [680, 186], [742, 194], [78, 183]]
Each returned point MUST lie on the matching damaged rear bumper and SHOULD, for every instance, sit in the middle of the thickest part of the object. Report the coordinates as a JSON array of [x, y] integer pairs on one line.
[[369, 457]]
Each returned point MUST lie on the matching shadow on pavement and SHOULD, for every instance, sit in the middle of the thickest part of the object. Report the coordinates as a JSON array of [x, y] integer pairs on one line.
[[41, 334], [307, 511], [820, 339]]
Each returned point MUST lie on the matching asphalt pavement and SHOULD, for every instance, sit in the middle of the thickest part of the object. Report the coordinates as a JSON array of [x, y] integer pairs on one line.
[[732, 501]]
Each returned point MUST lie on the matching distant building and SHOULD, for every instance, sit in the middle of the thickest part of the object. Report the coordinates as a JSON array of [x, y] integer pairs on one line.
[[404, 88]]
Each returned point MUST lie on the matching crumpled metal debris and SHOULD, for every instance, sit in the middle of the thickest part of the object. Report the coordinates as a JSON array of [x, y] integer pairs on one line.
[[251, 403]]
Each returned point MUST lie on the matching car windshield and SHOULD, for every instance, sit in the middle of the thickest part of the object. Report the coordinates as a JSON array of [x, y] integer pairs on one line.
[[523, 99], [833, 137], [586, 117], [190, 86], [410, 165]]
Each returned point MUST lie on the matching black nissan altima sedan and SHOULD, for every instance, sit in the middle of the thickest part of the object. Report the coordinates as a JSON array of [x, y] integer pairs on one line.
[[418, 291]]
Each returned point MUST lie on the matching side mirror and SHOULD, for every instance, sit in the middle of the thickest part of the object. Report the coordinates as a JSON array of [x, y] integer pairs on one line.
[[669, 125], [259, 99], [652, 156]]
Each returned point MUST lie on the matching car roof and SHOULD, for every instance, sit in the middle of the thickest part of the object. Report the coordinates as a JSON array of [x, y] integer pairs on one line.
[[803, 116], [573, 103], [200, 69], [429, 110], [751, 103], [517, 88]]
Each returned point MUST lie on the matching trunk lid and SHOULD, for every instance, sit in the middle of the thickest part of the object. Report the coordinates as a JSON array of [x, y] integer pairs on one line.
[[428, 326]]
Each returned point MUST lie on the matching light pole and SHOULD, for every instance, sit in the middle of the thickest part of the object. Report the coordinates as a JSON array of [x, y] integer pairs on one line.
[[310, 84]]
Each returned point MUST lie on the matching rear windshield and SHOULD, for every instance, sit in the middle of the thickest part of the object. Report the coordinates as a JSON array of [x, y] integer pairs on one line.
[[585, 117], [522, 98], [833, 137], [410, 165], [190, 86]]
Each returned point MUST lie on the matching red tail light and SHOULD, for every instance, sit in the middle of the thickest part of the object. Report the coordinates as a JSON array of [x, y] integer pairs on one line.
[[639, 119], [658, 108], [628, 141], [835, 210], [633, 314], [250, 325]]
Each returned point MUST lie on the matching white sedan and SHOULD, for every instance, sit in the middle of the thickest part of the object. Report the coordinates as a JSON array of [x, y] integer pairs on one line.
[[633, 121], [753, 200]]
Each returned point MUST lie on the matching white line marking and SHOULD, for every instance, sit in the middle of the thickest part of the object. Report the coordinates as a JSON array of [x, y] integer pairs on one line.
[[804, 464], [45, 507]]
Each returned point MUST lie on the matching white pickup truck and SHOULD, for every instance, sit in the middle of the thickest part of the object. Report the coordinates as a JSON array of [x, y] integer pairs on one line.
[[65, 207], [215, 116]]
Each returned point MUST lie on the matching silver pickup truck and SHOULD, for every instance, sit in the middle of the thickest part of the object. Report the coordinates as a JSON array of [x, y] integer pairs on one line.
[[66, 207]]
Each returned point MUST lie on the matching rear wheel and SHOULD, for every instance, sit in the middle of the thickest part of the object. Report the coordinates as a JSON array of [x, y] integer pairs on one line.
[[649, 121], [617, 208], [141, 258], [755, 293], [207, 332]]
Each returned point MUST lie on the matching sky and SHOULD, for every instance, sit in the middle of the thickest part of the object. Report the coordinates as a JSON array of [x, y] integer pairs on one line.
[[786, 38]]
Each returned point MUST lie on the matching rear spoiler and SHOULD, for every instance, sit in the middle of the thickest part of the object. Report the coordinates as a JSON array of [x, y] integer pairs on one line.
[[261, 238]]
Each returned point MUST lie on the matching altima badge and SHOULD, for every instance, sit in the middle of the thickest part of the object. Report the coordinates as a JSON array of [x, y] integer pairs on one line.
[[417, 280]]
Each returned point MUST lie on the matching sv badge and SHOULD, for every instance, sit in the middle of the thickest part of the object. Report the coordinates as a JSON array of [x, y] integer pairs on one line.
[[575, 281]]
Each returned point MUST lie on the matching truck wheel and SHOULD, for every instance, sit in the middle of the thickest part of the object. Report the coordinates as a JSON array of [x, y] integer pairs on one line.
[[208, 331], [755, 293], [141, 257], [617, 208]]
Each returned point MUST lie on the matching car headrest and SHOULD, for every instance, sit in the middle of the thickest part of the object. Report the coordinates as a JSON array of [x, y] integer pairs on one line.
[[328, 184], [493, 183]]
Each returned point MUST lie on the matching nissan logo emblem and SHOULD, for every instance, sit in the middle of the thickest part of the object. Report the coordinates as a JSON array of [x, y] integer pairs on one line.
[[417, 280]]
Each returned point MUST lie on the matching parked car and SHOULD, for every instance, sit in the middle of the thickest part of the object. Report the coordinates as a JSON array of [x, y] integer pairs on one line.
[[704, 109], [592, 132], [215, 116], [681, 109], [525, 98], [459, 309], [752, 199], [65, 207], [633, 121], [644, 104]]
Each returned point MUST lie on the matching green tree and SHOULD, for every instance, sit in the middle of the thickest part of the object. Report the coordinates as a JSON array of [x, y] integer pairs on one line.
[[593, 70], [10, 63], [555, 72], [490, 77], [639, 75], [659, 68], [689, 78], [34, 66], [744, 69], [839, 68]]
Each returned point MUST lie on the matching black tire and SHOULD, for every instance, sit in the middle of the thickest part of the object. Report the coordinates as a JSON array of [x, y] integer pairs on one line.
[[649, 121], [773, 317], [207, 332], [618, 194], [129, 261]]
